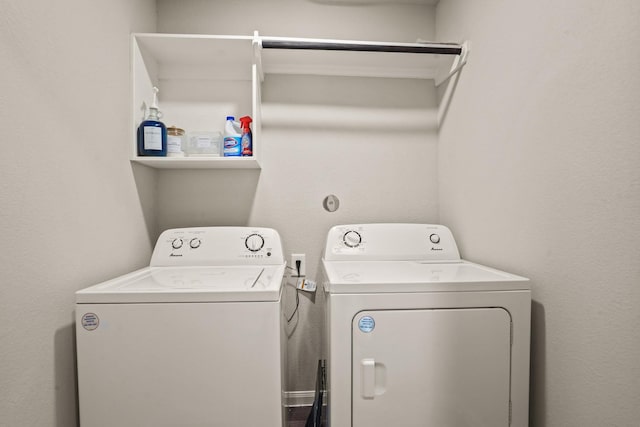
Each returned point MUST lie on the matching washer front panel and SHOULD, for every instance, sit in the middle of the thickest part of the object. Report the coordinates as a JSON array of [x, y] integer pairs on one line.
[[180, 364]]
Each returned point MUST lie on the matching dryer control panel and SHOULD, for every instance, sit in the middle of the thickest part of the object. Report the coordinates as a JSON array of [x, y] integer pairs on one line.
[[200, 246], [391, 242]]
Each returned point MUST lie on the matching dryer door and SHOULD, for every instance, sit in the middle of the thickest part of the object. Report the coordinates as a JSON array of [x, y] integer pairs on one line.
[[437, 367]]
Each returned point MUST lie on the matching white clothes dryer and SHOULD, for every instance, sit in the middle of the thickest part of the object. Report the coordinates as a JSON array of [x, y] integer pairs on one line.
[[415, 336], [194, 339]]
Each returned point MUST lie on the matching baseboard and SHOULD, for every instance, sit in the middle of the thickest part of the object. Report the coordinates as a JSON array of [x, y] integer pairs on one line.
[[294, 399]]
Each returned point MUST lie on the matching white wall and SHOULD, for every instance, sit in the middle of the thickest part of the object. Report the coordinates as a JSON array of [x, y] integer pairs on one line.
[[539, 175], [537, 157], [380, 174], [71, 212]]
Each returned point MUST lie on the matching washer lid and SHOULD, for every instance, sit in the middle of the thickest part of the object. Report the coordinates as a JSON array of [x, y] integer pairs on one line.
[[416, 276], [189, 284]]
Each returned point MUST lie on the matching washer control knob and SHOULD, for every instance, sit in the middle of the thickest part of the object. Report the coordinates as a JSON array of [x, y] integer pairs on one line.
[[254, 242], [176, 244], [352, 239], [195, 243], [434, 238]]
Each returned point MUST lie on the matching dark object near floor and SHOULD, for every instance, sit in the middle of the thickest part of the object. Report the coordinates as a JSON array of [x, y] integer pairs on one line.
[[298, 416], [315, 416]]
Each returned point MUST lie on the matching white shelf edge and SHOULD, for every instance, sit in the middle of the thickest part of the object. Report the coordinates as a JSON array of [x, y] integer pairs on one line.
[[306, 60], [192, 36], [198, 162], [260, 38], [426, 73]]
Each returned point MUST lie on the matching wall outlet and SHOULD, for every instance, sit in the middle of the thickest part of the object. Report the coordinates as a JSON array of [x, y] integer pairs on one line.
[[303, 265]]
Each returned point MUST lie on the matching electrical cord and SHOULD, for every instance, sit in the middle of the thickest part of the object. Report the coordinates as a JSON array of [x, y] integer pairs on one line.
[[295, 310]]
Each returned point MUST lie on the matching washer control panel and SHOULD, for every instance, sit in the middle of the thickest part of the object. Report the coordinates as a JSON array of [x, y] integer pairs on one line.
[[378, 242], [198, 246]]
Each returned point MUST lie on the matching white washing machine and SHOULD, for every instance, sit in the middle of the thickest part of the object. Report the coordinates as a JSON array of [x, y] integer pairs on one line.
[[195, 339], [415, 336]]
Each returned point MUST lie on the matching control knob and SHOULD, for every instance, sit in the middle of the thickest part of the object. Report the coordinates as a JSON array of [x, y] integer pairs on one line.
[[352, 239], [434, 238], [195, 243], [176, 243], [254, 242]]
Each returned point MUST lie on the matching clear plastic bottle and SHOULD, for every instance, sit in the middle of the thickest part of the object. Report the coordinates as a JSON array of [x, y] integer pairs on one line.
[[175, 139]]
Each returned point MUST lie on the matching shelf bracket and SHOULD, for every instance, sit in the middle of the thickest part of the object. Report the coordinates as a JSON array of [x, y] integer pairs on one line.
[[457, 65], [257, 53]]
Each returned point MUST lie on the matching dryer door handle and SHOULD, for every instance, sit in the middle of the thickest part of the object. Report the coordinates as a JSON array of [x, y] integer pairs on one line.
[[368, 378]]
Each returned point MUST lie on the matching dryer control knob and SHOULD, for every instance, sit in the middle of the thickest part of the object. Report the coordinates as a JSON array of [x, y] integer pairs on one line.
[[176, 244], [352, 239], [434, 238], [254, 242], [195, 243]]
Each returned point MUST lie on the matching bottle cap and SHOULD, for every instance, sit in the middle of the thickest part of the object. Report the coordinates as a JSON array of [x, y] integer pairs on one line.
[[175, 131]]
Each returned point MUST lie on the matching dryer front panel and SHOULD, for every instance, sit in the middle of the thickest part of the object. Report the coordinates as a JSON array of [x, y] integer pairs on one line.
[[431, 367]]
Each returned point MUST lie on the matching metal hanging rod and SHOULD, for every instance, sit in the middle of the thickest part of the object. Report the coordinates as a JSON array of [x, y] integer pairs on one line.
[[432, 48]]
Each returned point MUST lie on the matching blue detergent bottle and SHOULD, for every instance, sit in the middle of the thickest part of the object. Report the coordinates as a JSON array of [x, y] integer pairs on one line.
[[152, 133]]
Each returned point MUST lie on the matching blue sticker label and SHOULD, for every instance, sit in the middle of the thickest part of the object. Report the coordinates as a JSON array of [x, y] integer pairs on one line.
[[366, 324]]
